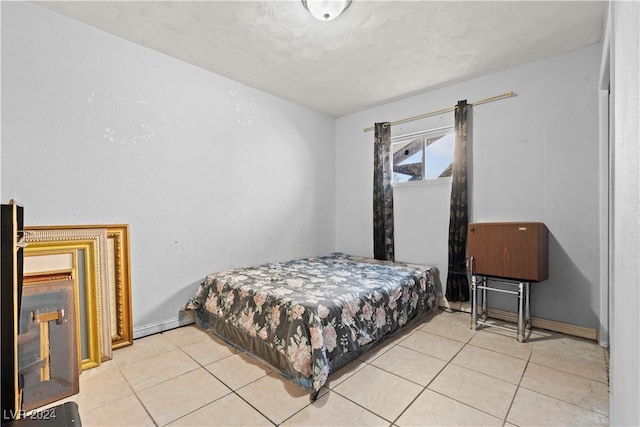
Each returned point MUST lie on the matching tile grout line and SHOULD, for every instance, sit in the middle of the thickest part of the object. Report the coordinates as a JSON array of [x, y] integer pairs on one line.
[[465, 345], [468, 342], [432, 380], [329, 390], [368, 363], [351, 400], [574, 374], [135, 393], [232, 391], [235, 391], [513, 399], [417, 328], [177, 347], [564, 401]]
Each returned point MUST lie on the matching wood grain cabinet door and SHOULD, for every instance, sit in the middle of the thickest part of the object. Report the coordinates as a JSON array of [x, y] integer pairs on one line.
[[513, 250]]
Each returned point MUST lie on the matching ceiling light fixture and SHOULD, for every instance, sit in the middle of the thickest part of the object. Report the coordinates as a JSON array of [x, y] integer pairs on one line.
[[326, 10]]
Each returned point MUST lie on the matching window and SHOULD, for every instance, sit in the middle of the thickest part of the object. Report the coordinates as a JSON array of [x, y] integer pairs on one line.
[[423, 156]]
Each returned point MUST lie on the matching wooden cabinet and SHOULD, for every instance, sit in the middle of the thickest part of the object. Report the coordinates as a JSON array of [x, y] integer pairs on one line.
[[512, 250]]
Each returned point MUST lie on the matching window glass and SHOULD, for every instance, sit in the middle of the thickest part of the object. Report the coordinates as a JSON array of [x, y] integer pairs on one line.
[[422, 156], [439, 156], [407, 160]]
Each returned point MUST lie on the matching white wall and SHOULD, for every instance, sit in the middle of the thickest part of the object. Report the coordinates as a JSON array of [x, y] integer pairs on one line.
[[209, 173], [535, 158], [625, 283]]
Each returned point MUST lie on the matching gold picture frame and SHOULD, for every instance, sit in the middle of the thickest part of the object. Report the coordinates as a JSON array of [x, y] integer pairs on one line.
[[119, 278], [43, 237], [85, 251], [120, 285]]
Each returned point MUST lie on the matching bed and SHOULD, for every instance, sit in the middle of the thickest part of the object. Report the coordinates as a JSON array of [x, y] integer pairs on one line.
[[309, 317]]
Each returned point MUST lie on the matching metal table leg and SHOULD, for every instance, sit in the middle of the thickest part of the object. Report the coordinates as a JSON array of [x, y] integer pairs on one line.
[[485, 309], [521, 311], [527, 307], [474, 302]]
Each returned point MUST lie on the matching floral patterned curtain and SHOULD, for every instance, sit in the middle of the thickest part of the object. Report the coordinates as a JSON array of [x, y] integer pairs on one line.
[[457, 283], [383, 247]]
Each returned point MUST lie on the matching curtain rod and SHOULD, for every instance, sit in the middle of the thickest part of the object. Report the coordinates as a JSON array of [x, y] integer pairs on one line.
[[444, 110]]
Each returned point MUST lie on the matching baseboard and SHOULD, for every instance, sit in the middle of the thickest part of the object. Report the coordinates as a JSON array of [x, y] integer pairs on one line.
[[507, 316], [536, 322], [165, 325]]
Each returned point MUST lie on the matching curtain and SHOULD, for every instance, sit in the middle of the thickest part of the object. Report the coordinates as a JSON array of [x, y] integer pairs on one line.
[[383, 248], [457, 283]]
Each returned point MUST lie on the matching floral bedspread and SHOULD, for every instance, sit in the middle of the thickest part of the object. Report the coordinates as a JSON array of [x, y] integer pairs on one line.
[[313, 311]]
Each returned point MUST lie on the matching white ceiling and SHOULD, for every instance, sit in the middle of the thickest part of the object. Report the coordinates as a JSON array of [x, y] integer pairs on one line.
[[376, 52]]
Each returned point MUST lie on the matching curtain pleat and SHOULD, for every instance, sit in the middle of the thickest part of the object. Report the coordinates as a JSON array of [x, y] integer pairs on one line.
[[457, 282], [383, 241]]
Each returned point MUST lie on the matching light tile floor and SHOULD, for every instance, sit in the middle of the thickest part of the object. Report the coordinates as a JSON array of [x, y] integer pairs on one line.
[[437, 373]]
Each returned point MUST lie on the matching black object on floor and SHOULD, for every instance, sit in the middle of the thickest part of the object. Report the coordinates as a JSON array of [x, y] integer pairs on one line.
[[64, 415]]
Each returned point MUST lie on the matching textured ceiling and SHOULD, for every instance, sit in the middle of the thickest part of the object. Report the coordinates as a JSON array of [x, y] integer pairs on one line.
[[376, 52]]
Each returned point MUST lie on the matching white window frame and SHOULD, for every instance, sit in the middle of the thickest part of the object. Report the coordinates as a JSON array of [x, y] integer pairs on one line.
[[421, 134]]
